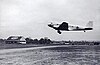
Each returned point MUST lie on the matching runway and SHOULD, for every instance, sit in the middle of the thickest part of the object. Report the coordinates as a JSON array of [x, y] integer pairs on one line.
[[52, 55]]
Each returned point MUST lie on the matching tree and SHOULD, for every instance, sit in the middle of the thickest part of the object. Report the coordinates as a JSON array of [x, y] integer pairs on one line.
[[29, 40], [35, 41], [44, 41], [41, 41]]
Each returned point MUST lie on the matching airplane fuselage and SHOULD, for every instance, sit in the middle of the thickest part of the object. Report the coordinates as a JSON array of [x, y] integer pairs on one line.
[[65, 27]]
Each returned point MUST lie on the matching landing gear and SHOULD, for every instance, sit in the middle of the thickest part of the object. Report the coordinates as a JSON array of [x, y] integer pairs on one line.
[[59, 31], [84, 31]]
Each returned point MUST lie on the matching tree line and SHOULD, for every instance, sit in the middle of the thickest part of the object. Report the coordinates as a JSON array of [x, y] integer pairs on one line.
[[36, 41]]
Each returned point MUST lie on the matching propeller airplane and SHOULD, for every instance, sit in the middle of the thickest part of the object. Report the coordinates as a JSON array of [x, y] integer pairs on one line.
[[64, 26]]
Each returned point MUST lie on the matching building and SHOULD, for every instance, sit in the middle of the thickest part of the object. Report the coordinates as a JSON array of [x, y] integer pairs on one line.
[[16, 39]]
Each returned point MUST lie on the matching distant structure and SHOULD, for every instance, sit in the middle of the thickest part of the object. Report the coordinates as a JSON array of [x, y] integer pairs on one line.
[[16, 39]]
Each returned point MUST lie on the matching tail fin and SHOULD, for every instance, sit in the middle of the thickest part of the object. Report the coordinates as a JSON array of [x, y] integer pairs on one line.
[[90, 24]]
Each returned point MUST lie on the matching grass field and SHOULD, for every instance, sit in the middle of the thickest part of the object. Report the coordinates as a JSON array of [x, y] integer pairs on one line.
[[60, 55]]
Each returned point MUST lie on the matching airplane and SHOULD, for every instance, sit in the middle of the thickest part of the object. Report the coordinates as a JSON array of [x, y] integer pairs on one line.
[[66, 27]]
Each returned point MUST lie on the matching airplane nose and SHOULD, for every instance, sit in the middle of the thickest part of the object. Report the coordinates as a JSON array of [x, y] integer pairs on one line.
[[50, 25]]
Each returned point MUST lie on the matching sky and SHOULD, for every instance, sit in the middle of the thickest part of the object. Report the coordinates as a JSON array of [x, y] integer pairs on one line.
[[29, 18]]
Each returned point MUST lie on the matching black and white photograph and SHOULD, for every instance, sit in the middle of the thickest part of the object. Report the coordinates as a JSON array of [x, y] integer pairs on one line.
[[49, 32]]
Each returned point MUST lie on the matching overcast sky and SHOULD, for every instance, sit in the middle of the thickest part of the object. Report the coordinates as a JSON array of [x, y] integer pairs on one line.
[[29, 18]]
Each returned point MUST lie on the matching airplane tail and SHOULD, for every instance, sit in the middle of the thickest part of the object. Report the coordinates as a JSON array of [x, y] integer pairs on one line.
[[90, 24]]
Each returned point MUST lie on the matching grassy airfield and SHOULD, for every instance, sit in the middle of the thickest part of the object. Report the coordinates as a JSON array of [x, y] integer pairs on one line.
[[49, 55]]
